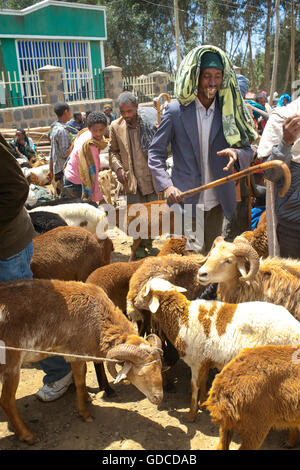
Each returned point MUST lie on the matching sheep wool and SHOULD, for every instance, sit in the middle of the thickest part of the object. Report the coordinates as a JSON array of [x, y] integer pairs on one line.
[[227, 328]]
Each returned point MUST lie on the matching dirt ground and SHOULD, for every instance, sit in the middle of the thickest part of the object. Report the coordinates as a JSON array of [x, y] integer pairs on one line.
[[126, 421]]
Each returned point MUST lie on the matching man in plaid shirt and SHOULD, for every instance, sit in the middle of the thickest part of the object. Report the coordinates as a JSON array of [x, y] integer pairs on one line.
[[61, 141]]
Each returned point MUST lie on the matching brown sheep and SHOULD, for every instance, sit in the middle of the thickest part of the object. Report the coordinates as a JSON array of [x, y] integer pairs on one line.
[[258, 238], [69, 254], [258, 390], [114, 278], [72, 318]]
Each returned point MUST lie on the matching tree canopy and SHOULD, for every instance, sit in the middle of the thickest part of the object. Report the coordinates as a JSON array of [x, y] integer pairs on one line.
[[141, 34]]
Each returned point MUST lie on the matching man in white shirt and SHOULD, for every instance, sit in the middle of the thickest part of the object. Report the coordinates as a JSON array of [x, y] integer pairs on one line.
[[201, 154]]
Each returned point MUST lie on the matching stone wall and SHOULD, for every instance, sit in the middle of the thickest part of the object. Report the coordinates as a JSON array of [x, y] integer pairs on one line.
[[42, 115]]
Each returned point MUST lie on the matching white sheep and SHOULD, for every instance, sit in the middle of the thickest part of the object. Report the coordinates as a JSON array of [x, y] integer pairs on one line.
[[208, 334], [40, 172], [78, 214]]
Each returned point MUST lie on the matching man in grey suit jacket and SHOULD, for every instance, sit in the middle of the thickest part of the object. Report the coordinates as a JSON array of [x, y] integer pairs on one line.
[[200, 154]]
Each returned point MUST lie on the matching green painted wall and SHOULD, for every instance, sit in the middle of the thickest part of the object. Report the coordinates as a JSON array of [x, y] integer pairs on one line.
[[9, 57], [96, 54], [9, 54], [97, 64], [56, 21]]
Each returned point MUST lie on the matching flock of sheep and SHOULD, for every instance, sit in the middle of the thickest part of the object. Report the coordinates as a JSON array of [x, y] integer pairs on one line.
[[235, 309]]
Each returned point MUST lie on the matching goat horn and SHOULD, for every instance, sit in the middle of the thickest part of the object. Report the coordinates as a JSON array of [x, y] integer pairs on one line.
[[126, 352], [244, 249]]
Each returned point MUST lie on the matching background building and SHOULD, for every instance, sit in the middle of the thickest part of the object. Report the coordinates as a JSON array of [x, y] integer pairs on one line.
[[56, 33]]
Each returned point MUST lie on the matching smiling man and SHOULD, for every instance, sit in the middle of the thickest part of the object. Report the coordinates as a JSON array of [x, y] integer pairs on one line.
[[210, 131]]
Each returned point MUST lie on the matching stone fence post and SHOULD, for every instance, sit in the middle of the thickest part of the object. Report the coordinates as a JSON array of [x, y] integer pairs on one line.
[[160, 80], [113, 84], [52, 84]]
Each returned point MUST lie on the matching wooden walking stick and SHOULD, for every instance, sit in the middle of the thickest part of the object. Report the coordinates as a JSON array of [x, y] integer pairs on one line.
[[262, 166]]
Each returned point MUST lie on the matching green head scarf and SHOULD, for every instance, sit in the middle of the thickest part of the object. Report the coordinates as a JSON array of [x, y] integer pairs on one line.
[[237, 123]]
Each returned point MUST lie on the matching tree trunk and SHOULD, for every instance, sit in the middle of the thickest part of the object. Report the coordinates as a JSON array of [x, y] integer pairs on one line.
[[246, 52], [293, 31], [177, 40], [204, 21], [287, 74], [267, 65], [252, 75], [275, 63]]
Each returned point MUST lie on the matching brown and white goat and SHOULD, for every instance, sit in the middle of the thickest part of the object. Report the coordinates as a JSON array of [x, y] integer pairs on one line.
[[70, 318], [242, 276], [258, 390], [69, 254]]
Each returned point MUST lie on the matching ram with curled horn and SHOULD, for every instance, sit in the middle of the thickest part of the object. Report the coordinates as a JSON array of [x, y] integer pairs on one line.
[[246, 255], [243, 277], [137, 365]]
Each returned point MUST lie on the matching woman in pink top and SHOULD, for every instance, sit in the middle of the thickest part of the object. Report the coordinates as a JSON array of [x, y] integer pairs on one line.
[[83, 165]]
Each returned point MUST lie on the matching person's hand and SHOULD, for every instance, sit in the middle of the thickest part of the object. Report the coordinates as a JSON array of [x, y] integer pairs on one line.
[[173, 194], [50, 176], [121, 175], [231, 154], [291, 129]]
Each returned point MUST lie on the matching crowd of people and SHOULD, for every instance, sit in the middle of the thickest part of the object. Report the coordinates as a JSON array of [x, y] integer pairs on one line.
[[211, 130]]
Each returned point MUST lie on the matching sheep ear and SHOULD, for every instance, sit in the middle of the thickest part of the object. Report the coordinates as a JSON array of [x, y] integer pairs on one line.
[[154, 304], [181, 289], [241, 267], [146, 289], [123, 372]]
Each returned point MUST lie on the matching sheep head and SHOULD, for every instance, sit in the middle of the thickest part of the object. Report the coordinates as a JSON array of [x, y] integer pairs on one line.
[[148, 297], [141, 364], [227, 261]]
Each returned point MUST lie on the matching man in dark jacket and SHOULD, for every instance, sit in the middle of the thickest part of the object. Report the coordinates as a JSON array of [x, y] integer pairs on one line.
[[16, 229], [209, 130]]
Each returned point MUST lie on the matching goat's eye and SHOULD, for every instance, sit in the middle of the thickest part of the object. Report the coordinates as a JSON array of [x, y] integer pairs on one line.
[[227, 261]]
